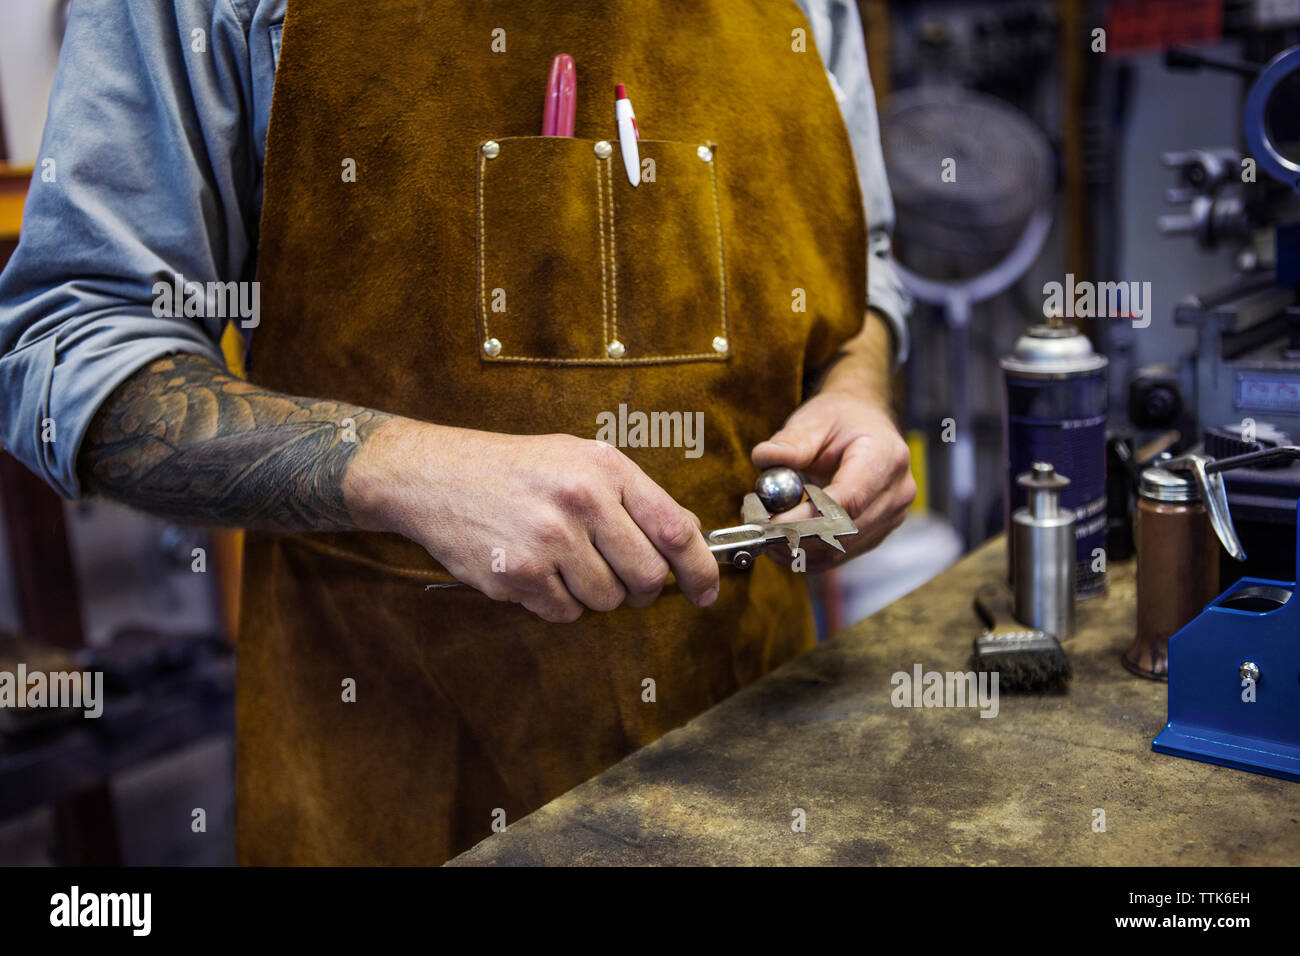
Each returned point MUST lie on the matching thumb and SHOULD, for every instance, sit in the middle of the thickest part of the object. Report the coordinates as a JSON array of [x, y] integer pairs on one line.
[[786, 448]]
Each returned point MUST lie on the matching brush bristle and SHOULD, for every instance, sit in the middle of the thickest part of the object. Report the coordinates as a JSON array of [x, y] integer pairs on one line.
[[1026, 661]]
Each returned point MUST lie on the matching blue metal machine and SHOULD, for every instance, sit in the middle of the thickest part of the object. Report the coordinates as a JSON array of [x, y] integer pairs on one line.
[[1234, 670], [1234, 681]]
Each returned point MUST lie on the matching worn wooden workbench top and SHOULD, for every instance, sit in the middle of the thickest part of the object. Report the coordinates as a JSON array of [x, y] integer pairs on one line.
[[887, 785]]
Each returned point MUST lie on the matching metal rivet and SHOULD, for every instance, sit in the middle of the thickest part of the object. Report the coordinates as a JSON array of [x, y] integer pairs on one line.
[[603, 149], [719, 344], [615, 349], [1249, 671], [491, 149], [492, 347], [705, 154]]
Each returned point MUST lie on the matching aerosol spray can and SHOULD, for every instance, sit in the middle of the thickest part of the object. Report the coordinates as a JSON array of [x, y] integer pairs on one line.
[[1054, 411]]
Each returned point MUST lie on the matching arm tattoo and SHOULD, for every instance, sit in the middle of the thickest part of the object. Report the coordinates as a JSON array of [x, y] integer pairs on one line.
[[185, 439]]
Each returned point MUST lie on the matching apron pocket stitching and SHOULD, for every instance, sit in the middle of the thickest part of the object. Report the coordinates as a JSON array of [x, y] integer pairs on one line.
[[482, 252], [604, 271], [613, 258], [722, 259]]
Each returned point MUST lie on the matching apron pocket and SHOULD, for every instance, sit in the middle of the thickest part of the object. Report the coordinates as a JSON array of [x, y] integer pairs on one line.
[[578, 267]]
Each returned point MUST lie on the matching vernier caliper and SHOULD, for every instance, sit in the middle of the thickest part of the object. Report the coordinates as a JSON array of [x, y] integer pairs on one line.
[[783, 489]]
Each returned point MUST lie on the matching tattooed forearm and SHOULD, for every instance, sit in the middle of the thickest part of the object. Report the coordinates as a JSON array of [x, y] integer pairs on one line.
[[185, 439]]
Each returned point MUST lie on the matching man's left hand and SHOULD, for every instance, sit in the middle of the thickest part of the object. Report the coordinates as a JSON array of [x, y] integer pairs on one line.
[[848, 446]]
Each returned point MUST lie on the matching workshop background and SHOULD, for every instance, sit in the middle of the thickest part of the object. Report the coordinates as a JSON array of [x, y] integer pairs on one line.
[[1114, 165]]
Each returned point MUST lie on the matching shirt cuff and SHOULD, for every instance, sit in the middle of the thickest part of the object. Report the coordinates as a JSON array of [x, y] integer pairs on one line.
[[894, 305], [60, 396]]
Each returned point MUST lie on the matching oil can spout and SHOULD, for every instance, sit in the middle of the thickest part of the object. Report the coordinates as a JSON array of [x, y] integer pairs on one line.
[[1208, 474]]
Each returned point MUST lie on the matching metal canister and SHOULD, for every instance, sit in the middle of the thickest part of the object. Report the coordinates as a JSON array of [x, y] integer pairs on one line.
[[1177, 566], [1054, 410], [1044, 542]]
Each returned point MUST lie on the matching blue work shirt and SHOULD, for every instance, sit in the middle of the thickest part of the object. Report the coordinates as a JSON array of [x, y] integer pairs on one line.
[[151, 166]]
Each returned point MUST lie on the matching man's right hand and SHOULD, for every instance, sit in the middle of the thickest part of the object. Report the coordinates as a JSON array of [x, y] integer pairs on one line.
[[579, 525]]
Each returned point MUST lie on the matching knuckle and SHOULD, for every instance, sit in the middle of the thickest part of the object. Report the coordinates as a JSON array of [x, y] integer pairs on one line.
[[551, 611], [580, 493], [855, 500], [610, 598], [498, 588], [909, 491], [678, 531], [566, 613], [900, 455], [649, 575], [552, 532], [543, 611], [605, 457], [528, 574]]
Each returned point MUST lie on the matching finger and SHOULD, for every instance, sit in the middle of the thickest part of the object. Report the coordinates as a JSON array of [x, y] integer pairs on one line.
[[625, 548], [805, 509], [675, 534], [794, 446], [881, 518], [889, 510], [898, 496], [590, 579], [797, 445], [553, 602], [861, 477]]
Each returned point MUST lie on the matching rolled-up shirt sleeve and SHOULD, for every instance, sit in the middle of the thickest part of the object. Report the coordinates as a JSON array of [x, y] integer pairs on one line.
[[146, 172], [837, 30]]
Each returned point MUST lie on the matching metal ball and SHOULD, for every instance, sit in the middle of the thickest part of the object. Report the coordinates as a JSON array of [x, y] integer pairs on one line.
[[779, 489]]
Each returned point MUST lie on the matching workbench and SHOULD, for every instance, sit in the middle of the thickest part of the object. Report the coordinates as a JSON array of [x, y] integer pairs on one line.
[[880, 784]]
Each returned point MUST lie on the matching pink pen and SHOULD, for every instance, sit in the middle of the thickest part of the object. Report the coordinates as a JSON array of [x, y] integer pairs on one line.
[[561, 97]]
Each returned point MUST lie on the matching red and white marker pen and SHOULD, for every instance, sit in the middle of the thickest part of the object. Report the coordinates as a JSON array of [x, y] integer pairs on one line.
[[628, 134]]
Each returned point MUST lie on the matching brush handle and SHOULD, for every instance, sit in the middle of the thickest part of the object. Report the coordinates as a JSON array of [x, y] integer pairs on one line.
[[993, 605]]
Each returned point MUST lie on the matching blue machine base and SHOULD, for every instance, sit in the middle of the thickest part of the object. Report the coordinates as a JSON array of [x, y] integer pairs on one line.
[[1231, 750], [1216, 713]]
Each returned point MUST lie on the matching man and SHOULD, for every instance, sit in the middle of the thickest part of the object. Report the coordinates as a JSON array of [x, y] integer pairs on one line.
[[448, 305]]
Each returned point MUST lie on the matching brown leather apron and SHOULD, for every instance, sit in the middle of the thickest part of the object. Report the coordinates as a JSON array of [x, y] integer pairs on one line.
[[384, 291]]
